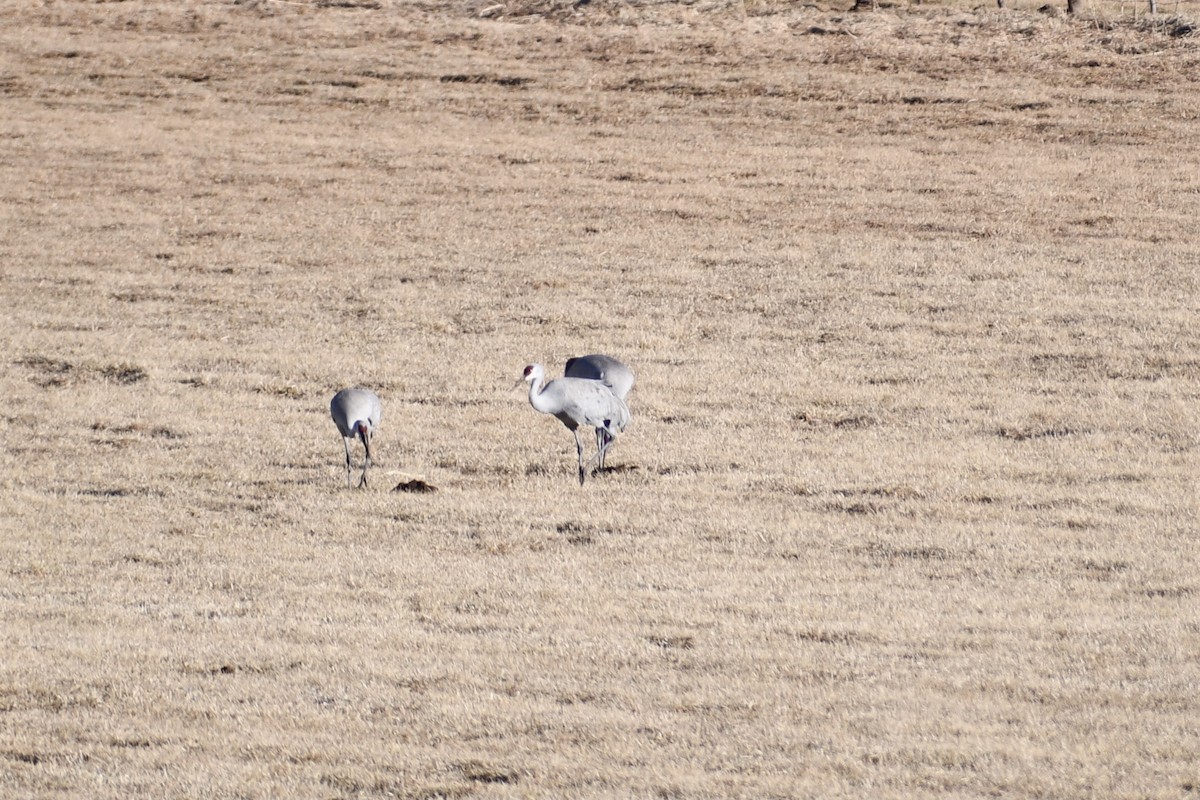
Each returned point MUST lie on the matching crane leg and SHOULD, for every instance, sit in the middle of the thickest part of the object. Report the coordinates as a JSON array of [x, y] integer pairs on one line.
[[346, 444], [579, 452], [601, 436], [601, 445], [608, 440]]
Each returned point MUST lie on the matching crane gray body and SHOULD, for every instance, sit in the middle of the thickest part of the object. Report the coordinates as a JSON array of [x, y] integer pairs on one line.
[[357, 413], [613, 374], [578, 402], [605, 369]]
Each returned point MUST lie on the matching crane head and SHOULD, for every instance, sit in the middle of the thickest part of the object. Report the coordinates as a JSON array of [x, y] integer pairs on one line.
[[532, 374]]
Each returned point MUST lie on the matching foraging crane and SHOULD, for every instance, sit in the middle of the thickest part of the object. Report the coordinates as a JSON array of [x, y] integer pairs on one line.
[[611, 373], [357, 413], [575, 402], [605, 369]]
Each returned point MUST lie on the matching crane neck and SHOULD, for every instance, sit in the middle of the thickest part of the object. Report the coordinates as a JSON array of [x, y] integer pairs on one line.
[[535, 395]]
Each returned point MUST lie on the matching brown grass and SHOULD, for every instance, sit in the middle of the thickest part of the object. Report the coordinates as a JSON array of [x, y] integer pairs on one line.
[[909, 503]]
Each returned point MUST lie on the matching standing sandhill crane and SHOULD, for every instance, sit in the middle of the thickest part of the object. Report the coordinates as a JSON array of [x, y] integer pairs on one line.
[[611, 373], [578, 401], [357, 413]]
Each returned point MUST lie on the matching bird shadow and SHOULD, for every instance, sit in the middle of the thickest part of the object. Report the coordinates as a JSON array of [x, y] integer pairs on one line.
[[617, 469]]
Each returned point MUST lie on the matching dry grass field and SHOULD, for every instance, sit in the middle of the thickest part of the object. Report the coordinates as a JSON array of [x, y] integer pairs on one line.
[[908, 507]]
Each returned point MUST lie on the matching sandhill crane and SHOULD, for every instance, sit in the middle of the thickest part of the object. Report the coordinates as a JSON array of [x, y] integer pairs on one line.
[[611, 373], [357, 413], [605, 369], [577, 401]]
